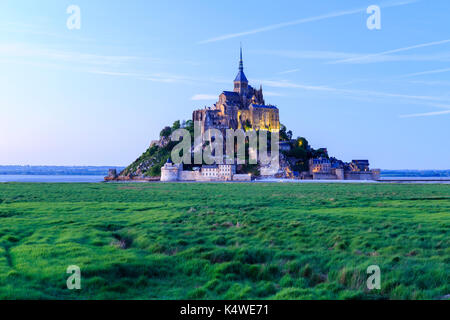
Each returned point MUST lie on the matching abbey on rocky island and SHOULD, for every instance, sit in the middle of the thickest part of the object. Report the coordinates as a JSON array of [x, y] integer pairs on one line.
[[244, 108]]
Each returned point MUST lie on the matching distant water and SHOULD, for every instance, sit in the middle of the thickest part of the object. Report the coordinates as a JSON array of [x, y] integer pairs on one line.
[[50, 178], [98, 178], [441, 180], [413, 178]]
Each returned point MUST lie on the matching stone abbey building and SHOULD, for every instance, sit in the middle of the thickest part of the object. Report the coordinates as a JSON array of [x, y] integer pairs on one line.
[[242, 108]]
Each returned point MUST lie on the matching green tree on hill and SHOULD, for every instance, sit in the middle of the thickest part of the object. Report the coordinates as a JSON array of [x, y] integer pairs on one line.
[[176, 125], [284, 134], [166, 132], [302, 143]]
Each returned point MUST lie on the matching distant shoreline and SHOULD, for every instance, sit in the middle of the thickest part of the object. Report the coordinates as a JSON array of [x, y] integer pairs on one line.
[[103, 170], [96, 174], [51, 178], [58, 170], [100, 179]]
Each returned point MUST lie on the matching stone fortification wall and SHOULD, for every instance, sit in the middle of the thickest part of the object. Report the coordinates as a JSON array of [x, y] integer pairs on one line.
[[242, 177], [189, 175], [324, 176], [358, 175]]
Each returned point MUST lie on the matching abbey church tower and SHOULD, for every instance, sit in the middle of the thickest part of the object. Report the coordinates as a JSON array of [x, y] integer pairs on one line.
[[242, 108], [241, 82]]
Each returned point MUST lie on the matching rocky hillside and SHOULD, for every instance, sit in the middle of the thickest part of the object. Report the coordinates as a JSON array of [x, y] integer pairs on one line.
[[149, 164]]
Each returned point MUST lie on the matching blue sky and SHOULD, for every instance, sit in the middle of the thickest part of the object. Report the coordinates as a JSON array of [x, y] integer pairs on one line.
[[100, 94]]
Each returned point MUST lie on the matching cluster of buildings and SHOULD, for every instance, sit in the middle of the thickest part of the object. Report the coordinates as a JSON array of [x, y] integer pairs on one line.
[[333, 169], [219, 172]]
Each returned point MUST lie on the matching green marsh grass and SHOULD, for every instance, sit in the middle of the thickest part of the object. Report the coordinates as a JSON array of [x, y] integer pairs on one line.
[[224, 240]]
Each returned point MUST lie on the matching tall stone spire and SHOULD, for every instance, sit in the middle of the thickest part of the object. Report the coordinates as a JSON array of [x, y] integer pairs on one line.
[[241, 62], [240, 82]]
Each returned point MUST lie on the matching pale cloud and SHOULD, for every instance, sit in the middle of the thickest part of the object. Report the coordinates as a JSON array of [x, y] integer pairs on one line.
[[288, 84], [431, 83], [301, 21], [354, 58], [397, 95], [117, 74], [201, 96], [22, 53], [307, 54], [154, 77], [440, 105], [289, 71], [168, 78], [370, 57], [364, 93], [35, 53], [39, 30], [426, 114], [432, 101], [427, 72], [106, 65], [416, 99], [272, 94], [442, 57]]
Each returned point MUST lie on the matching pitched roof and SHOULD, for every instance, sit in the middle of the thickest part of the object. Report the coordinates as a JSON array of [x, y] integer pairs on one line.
[[230, 94], [321, 160], [241, 77], [262, 106]]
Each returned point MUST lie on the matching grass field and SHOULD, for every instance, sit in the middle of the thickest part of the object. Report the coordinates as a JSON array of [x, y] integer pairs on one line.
[[224, 241]]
